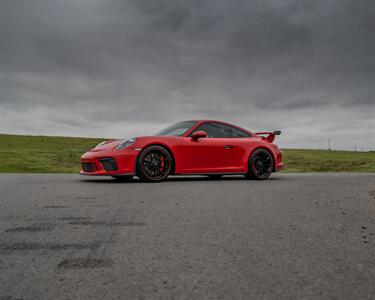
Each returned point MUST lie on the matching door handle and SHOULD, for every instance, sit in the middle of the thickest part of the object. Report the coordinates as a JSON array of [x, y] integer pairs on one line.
[[228, 146]]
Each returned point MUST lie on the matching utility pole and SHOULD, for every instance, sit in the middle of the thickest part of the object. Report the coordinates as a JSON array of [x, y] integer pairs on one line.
[[329, 143], [355, 148]]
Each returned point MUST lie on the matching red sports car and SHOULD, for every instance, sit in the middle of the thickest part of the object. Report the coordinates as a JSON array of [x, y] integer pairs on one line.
[[203, 147]]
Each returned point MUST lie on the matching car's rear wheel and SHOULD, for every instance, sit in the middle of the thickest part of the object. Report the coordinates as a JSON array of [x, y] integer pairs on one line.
[[154, 164], [123, 177], [260, 165]]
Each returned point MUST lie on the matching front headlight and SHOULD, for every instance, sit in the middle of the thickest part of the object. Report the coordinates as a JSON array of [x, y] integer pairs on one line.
[[100, 144], [126, 143]]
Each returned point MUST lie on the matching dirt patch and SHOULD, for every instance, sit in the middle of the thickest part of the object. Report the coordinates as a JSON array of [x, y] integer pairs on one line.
[[74, 246], [33, 228], [372, 193], [74, 218], [54, 206], [9, 248], [85, 263], [110, 224]]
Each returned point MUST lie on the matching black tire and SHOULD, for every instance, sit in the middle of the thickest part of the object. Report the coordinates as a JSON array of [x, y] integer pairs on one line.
[[123, 177], [154, 164], [215, 176], [260, 165]]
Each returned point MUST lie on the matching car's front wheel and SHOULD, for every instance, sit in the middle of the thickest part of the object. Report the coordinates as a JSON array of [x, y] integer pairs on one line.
[[260, 165], [154, 164]]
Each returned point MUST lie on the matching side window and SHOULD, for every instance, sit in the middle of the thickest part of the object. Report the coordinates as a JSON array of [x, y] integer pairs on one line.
[[232, 132], [216, 130], [209, 129]]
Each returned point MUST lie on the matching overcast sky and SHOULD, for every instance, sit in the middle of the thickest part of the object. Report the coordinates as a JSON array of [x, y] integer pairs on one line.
[[129, 67]]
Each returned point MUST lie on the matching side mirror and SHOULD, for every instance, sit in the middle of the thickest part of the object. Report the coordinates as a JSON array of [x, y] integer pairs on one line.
[[199, 134], [277, 132]]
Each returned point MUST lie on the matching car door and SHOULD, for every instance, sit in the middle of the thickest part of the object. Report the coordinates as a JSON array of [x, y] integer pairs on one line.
[[221, 152]]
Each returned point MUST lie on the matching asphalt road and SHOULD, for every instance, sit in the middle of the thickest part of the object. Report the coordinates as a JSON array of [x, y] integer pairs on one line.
[[290, 237]]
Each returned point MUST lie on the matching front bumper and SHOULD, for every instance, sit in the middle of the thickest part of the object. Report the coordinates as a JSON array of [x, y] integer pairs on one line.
[[109, 162]]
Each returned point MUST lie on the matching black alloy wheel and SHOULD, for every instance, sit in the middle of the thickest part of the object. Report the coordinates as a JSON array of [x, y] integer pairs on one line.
[[260, 165], [154, 164]]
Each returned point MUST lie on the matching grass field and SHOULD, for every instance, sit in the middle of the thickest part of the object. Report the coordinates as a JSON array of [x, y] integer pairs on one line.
[[45, 154]]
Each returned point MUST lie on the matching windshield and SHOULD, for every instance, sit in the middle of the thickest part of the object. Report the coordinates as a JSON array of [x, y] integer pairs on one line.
[[177, 129]]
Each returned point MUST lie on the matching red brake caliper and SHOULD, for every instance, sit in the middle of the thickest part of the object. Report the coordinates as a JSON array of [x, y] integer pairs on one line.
[[162, 164]]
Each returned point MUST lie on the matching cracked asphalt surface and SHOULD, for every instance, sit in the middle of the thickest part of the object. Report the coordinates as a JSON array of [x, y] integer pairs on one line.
[[294, 236]]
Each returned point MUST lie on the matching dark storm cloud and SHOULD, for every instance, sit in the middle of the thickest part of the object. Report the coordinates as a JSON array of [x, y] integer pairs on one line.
[[95, 67]]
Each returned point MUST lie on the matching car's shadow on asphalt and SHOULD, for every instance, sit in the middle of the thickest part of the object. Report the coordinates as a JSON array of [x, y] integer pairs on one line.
[[175, 179]]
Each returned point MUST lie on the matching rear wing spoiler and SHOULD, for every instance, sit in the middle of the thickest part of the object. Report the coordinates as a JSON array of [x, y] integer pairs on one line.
[[270, 135]]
